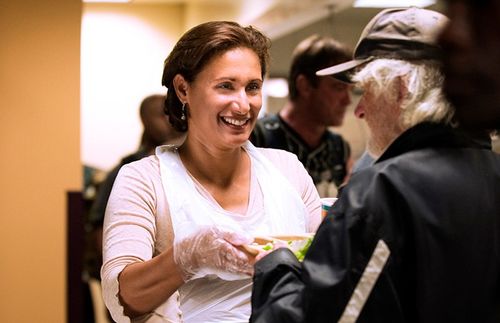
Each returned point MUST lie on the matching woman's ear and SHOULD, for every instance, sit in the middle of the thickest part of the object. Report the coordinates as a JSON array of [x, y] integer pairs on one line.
[[181, 87]]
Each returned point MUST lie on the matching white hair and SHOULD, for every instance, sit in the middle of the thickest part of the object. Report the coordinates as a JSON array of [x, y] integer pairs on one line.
[[424, 100]]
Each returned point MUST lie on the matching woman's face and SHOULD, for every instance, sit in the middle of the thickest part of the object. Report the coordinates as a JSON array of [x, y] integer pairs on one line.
[[225, 99]]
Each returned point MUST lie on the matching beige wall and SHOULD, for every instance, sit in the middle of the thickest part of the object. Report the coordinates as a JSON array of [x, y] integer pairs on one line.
[[123, 50], [39, 145]]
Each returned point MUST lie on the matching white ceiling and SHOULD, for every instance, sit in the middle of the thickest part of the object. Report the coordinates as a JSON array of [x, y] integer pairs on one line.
[[287, 22], [275, 17]]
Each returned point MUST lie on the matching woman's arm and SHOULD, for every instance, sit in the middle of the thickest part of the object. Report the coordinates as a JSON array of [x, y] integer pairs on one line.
[[146, 285], [134, 280]]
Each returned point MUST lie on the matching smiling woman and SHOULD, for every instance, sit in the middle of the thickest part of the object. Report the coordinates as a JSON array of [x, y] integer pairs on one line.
[[176, 221], [225, 98]]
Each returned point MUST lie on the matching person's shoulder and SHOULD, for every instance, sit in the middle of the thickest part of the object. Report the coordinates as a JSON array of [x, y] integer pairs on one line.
[[289, 166], [438, 167], [284, 160], [269, 118], [331, 135], [386, 173], [144, 167], [269, 122], [278, 155], [133, 157], [337, 143], [374, 190], [145, 161], [269, 131], [400, 173]]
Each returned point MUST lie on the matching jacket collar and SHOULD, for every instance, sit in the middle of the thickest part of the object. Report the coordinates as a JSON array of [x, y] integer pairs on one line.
[[434, 135]]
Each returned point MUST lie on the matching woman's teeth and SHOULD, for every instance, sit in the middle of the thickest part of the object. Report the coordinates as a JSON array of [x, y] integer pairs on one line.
[[234, 121]]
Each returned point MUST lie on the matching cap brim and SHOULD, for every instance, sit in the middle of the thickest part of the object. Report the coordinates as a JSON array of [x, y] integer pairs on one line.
[[341, 71]]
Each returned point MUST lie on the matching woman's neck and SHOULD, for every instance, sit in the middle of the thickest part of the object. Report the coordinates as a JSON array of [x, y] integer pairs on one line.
[[225, 174], [213, 166]]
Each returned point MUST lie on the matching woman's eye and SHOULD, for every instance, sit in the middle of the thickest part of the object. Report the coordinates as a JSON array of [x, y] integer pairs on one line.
[[226, 86], [253, 87]]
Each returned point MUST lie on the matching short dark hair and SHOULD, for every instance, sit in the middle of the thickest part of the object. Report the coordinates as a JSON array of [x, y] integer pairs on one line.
[[197, 47], [147, 103], [312, 54]]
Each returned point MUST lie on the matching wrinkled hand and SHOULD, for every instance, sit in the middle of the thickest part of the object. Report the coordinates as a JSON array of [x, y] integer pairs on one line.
[[214, 248]]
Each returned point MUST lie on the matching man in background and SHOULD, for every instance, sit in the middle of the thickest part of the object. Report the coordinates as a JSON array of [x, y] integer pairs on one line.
[[315, 103]]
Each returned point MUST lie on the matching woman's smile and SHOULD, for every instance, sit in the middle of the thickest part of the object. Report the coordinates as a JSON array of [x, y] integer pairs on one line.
[[235, 122]]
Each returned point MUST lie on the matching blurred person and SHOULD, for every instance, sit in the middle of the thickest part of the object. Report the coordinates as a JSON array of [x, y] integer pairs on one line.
[[414, 238], [472, 62], [156, 131], [365, 160], [176, 221], [315, 103]]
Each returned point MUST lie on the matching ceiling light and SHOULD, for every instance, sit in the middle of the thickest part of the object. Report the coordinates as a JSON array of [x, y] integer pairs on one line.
[[392, 3]]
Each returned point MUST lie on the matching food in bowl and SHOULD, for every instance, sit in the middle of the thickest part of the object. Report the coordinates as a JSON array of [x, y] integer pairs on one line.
[[299, 244]]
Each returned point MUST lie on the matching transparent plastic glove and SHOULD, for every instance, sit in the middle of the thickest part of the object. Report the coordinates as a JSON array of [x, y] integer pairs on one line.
[[213, 249]]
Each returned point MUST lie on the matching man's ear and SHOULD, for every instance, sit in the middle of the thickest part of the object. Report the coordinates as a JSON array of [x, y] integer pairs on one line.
[[303, 85], [181, 87]]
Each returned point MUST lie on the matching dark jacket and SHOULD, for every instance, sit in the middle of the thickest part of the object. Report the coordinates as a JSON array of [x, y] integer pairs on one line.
[[434, 198], [98, 209]]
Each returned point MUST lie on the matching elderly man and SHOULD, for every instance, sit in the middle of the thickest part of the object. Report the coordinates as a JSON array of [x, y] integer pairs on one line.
[[414, 238]]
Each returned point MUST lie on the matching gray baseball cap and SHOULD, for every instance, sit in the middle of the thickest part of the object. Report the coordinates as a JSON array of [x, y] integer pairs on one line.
[[398, 33]]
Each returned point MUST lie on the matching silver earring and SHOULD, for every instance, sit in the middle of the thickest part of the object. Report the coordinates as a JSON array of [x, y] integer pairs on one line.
[[183, 111]]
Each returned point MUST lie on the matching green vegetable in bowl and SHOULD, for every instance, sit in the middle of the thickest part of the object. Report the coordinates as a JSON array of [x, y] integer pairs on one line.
[[268, 246], [301, 252]]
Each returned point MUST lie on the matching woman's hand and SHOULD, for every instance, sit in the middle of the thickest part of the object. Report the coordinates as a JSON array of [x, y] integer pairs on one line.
[[215, 248]]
